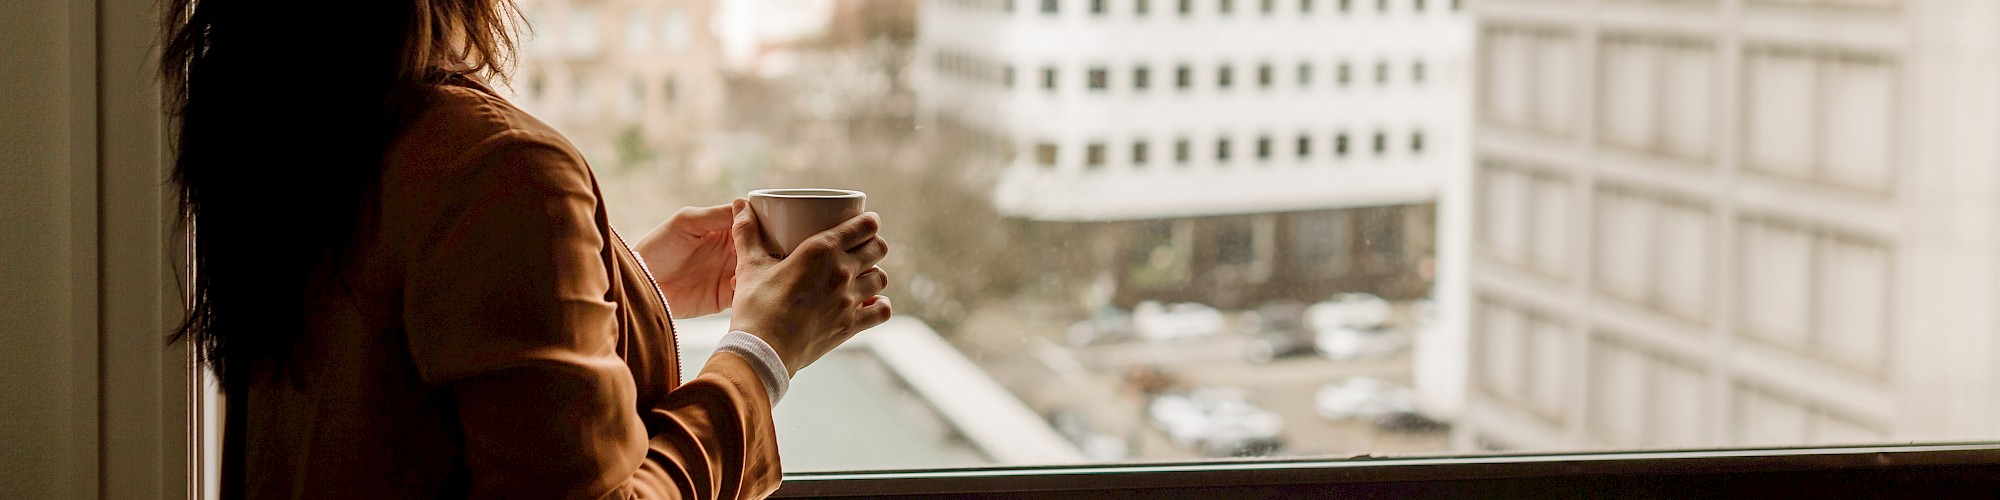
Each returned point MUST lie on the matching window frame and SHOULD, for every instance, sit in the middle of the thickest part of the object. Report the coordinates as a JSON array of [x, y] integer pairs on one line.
[[1844, 471]]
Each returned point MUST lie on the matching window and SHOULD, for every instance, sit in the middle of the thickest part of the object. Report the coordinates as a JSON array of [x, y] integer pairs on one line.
[[670, 91], [1093, 278], [1051, 6]]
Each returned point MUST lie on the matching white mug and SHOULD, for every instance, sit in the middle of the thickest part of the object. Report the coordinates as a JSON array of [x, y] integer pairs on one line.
[[789, 216]]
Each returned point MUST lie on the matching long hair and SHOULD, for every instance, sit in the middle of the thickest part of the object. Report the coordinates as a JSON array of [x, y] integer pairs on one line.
[[285, 110]]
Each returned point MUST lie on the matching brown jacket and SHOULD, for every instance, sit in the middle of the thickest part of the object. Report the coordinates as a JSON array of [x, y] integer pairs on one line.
[[494, 338]]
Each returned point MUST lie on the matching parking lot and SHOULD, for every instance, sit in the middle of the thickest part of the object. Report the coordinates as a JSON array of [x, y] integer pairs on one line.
[[1099, 389]]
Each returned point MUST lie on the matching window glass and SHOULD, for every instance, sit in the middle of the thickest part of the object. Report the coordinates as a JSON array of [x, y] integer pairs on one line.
[[1471, 230]]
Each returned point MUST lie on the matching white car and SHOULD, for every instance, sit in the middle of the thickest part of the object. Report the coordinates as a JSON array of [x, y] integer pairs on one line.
[[1216, 422], [1345, 343], [1153, 321], [1362, 398], [1352, 310]]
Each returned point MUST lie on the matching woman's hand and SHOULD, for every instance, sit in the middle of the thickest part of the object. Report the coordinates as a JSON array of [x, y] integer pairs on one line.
[[814, 299], [693, 260]]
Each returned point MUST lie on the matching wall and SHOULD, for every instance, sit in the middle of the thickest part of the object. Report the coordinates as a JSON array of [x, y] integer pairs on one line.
[[94, 403]]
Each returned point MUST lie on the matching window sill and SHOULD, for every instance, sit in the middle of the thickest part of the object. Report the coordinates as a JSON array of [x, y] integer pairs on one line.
[[1920, 470]]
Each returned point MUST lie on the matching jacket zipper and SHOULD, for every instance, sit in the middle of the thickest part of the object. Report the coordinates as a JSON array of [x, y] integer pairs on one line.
[[654, 284]]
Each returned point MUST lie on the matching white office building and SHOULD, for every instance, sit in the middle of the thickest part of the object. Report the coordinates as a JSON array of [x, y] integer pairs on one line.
[[1268, 147], [1734, 223]]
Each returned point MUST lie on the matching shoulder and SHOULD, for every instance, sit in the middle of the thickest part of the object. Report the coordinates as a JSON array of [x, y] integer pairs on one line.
[[461, 127]]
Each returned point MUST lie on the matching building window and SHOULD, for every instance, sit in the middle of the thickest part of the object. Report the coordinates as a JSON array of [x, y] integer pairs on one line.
[[1342, 74], [1417, 72], [1186, 7], [1346, 6], [1222, 150], [1305, 146], [1305, 6], [1223, 77], [1139, 153], [1381, 5], [1183, 77], [1009, 6], [1007, 76], [671, 90], [1417, 142], [1340, 145], [1093, 155], [1097, 7], [1051, 6], [1045, 154], [1141, 78], [1099, 78], [1381, 143], [1049, 78], [1225, 6], [1141, 7], [1417, 5], [1182, 151], [1264, 76], [1263, 148], [1455, 4], [1381, 73], [1305, 74], [1268, 6]]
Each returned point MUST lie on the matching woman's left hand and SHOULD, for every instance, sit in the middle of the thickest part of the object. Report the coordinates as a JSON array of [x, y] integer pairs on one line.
[[693, 259]]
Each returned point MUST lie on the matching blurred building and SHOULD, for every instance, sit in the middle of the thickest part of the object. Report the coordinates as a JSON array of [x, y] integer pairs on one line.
[[1724, 223], [633, 83], [1239, 150]]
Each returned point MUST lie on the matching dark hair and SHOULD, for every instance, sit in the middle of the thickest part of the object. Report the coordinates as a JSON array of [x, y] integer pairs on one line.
[[285, 110]]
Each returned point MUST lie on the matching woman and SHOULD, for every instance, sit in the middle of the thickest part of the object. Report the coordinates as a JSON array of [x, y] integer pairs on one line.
[[408, 288]]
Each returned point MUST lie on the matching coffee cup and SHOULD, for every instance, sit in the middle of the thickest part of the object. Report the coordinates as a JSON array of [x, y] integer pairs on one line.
[[789, 216]]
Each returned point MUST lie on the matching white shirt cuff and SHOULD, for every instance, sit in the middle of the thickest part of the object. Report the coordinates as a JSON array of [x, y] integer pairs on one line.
[[763, 358]]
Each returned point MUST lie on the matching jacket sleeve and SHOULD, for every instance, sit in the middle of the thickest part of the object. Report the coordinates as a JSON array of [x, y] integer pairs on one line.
[[505, 304]]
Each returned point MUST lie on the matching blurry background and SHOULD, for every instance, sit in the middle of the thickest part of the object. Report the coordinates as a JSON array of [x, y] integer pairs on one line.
[[1164, 230]]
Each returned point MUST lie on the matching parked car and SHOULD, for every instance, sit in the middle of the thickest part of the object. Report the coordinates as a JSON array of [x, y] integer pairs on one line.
[[1278, 331], [1363, 398], [1108, 325], [1409, 422], [1348, 310], [1350, 343], [1156, 322], [1216, 422]]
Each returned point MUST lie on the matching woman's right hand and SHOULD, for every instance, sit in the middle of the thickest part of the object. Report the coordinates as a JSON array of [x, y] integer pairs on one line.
[[811, 301]]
